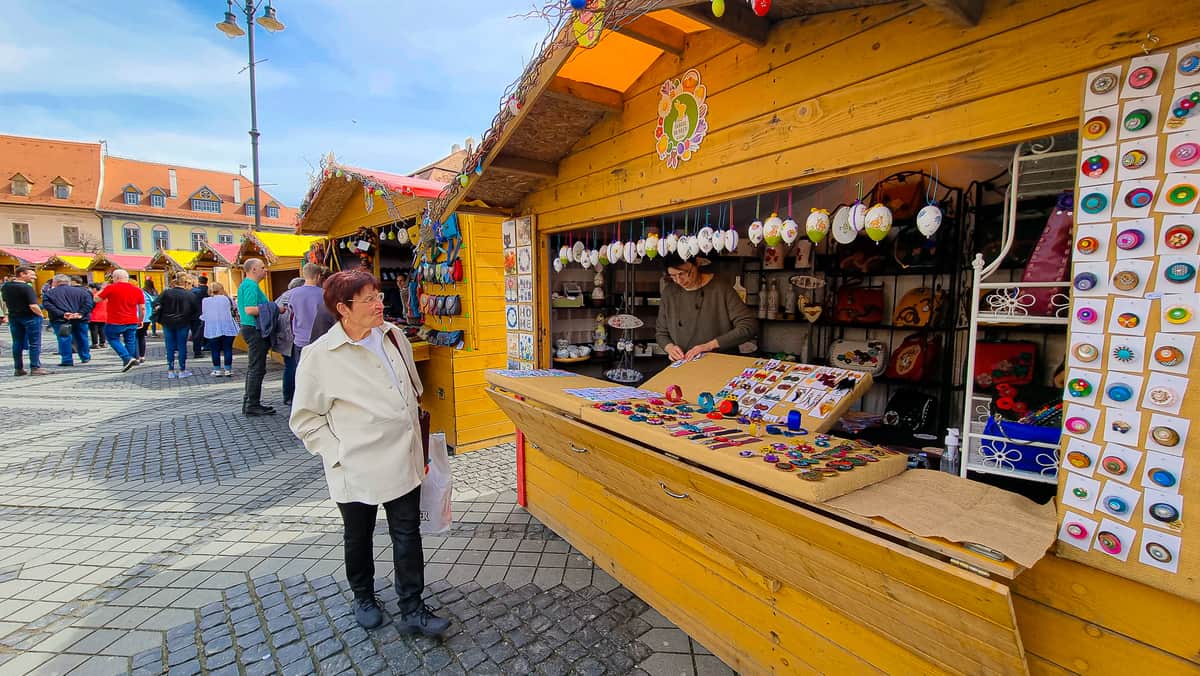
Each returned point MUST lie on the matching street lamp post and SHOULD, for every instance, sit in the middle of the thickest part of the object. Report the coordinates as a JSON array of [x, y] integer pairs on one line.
[[230, 27]]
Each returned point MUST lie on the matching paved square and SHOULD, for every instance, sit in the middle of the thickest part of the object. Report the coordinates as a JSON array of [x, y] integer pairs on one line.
[[148, 528]]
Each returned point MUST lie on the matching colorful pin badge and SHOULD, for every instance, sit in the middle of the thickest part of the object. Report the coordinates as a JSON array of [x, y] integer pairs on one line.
[[1087, 315], [1178, 236], [1139, 198], [1142, 77], [1095, 128], [1086, 352], [1165, 436], [1077, 530], [1164, 512], [1103, 84], [1161, 477], [1109, 542], [1093, 202]]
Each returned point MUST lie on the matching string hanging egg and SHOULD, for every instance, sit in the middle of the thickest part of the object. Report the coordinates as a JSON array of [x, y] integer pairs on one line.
[[858, 216], [879, 222], [718, 240], [929, 219], [817, 225], [761, 7], [755, 233], [718, 8], [652, 245], [731, 239], [672, 242], [790, 231], [704, 239], [772, 229]]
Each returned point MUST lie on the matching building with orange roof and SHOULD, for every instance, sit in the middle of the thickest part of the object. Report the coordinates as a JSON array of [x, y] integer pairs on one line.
[[148, 206], [48, 195]]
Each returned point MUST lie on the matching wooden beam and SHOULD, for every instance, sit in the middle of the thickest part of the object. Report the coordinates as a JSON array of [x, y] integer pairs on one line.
[[739, 21], [962, 12], [524, 166], [656, 33], [587, 94]]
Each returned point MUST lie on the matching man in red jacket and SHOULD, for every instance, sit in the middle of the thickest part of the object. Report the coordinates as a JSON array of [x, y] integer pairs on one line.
[[126, 312]]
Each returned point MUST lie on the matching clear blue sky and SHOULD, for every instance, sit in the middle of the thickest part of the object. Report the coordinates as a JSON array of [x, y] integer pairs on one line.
[[383, 84]]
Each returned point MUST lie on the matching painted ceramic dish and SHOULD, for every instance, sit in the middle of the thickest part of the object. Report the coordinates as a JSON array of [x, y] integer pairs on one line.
[[1165, 436], [1168, 355], [1178, 236]]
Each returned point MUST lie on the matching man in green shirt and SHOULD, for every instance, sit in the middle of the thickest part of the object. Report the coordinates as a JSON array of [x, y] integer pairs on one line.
[[249, 297]]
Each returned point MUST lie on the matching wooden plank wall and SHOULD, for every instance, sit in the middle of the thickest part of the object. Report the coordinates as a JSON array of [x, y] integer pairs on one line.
[[851, 91]]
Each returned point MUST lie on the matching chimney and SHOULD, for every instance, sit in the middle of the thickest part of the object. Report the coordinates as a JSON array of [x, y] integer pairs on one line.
[[470, 144], [174, 183], [237, 191]]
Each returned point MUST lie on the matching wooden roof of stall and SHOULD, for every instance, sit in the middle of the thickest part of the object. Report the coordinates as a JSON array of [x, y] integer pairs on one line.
[[571, 88], [340, 183]]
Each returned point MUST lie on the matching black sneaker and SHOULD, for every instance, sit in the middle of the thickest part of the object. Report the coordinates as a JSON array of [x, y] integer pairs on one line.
[[367, 612], [423, 621], [258, 410], [128, 365]]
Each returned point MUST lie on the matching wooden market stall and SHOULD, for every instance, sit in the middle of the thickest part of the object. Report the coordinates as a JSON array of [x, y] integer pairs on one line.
[[48, 262], [372, 219], [104, 263], [779, 575], [283, 253]]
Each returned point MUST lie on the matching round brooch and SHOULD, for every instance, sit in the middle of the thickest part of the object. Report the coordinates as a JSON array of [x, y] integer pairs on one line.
[[1078, 425], [1158, 552], [1181, 194], [1128, 320], [1087, 315], [1077, 531], [1120, 392], [1079, 459], [1108, 542], [1085, 281], [1161, 396], [1086, 352], [1079, 387], [1093, 203], [1161, 477], [1184, 154], [1165, 436], [1116, 505], [1114, 465], [1134, 159], [1180, 272], [1094, 166], [1137, 120], [1087, 245], [1178, 236], [1142, 77], [1126, 280], [1103, 83], [1124, 353], [1164, 512], [1138, 198], [1095, 128], [1189, 64], [1080, 493], [1178, 314], [1128, 240]]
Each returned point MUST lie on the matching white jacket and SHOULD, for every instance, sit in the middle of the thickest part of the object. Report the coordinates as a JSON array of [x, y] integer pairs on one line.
[[348, 410]]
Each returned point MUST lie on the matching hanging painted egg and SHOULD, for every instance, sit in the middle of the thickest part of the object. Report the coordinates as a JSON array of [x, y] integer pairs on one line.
[[772, 230], [684, 248], [718, 8], [513, 105], [817, 225], [755, 233], [563, 252], [929, 219], [631, 254], [790, 231], [704, 239], [652, 245], [879, 222], [402, 236], [761, 7], [718, 240], [585, 261], [615, 250], [672, 242], [603, 254], [843, 232], [731, 240], [558, 265], [662, 246], [641, 248], [858, 216], [578, 251]]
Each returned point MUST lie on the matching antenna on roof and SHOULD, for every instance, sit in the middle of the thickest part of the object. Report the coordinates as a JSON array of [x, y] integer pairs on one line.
[[240, 168], [104, 144]]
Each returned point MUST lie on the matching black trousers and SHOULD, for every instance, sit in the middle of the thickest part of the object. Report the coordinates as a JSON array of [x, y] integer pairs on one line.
[[199, 343], [256, 366], [404, 527], [141, 340]]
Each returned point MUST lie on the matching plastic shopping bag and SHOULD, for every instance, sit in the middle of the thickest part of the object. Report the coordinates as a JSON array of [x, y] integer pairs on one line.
[[437, 489]]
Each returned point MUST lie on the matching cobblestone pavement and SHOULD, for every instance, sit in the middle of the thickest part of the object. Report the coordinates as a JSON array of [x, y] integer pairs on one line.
[[147, 528]]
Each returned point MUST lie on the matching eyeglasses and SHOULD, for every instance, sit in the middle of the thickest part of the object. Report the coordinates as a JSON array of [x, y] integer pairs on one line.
[[376, 298]]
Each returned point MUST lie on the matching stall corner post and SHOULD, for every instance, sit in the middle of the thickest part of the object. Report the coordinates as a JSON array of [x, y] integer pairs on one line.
[[521, 470]]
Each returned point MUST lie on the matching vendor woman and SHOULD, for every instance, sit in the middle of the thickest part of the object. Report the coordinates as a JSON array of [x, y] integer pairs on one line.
[[700, 312]]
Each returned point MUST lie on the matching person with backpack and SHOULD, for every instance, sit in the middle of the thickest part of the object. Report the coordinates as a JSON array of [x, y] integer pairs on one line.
[[177, 311]]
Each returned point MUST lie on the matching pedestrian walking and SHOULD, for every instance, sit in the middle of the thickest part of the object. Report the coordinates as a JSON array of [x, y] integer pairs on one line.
[[126, 312], [152, 295], [201, 291], [24, 321], [144, 327], [285, 340], [304, 303], [70, 308], [249, 299], [99, 316], [177, 311], [360, 380], [219, 319]]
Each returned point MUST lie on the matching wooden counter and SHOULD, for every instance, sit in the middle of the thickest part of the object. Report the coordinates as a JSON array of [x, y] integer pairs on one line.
[[776, 585]]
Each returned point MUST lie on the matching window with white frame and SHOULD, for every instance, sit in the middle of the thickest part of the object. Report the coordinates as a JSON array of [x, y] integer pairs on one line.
[[207, 206], [132, 237], [250, 208], [224, 238], [161, 238], [132, 197], [20, 233], [70, 236], [199, 237], [272, 211], [158, 200], [62, 191]]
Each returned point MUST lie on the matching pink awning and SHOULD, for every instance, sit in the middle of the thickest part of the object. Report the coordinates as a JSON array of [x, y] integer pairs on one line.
[[405, 185], [38, 256]]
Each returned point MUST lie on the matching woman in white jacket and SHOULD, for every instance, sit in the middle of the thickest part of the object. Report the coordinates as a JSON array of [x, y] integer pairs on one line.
[[356, 406]]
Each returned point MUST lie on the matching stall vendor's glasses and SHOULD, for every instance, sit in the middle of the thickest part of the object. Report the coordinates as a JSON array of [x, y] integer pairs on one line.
[[377, 298]]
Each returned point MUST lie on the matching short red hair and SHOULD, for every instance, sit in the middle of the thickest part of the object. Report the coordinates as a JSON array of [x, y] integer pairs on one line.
[[342, 287]]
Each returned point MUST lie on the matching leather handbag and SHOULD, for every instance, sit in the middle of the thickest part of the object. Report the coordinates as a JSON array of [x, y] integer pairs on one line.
[[856, 304], [859, 355], [914, 359], [1051, 258], [919, 307], [1004, 363], [423, 418], [911, 411]]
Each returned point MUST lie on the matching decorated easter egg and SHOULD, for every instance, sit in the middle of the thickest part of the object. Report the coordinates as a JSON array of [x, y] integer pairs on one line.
[[558, 265], [564, 254], [772, 230], [640, 247], [929, 219], [718, 241], [577, 252], [755, 233], [731, 240], [631, 254], [615, 250], [817, 225], [704, 239], [858, 216], [879, 222], [672, 242], [790, 231], [652, 241]]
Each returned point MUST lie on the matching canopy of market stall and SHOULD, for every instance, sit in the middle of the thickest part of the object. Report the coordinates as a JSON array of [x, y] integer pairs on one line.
[[385, 196]]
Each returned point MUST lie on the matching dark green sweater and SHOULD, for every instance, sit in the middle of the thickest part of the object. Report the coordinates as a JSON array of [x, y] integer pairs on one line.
[[689, 318]]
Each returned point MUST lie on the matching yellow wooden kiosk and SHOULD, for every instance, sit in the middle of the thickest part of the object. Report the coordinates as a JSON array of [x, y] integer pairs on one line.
[[104, 263], [283, 253], [48, 262], [382, 211], [770, 574]]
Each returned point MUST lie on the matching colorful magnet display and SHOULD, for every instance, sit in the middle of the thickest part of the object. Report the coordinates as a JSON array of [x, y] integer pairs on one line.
[[1093, 202], [1095, 128], [1178, 236], [1139, 198]]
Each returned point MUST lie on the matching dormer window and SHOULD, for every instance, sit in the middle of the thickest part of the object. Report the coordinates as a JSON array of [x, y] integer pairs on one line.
[[62, 188], [20, 185], [158, 200], [250, 208], [207, 201], [133, 196], [272, 211]]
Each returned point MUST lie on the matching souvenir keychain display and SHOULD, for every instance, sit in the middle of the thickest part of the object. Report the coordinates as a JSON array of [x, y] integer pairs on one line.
[[1124, 493]]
